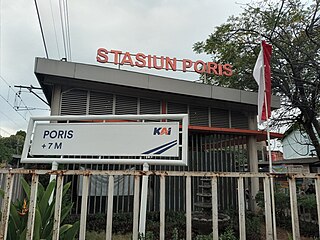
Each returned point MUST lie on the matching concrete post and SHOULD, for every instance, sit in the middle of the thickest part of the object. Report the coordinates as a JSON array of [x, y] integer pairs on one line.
[[253, 161], [55, 100]]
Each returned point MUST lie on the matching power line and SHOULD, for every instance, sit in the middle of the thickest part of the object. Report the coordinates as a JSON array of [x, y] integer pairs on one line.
[[17, 125], [54, 27], [31, 88], [17, 95], [68, 28], [2, 130], [5, 81], [16, 105], [42, 34], [13, 107], [63, 29]]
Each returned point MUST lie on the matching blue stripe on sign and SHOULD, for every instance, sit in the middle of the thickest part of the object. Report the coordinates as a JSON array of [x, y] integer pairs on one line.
[[158, 148], [165, 149]]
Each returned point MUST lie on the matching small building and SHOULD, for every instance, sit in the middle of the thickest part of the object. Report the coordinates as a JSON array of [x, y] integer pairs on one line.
[[223, 132], [299, 151], [297, 144]]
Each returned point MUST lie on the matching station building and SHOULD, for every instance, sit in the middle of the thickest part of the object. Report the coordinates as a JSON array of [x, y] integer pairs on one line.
[[222, 128]]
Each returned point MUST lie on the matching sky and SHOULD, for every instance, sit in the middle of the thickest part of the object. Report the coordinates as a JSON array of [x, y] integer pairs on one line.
[[157, 27]]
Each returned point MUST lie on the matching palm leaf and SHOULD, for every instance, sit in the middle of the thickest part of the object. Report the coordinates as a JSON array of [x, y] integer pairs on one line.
[[23, 234], [44, 201], [15, 219], [47, 221], [65, 188], [26, 187], [1, 193], [40, 191], [72, 232], [65, 212], [47, 231], [64, 228], [37, 225]]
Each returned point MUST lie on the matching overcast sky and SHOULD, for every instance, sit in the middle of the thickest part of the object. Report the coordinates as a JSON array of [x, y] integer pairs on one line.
[[159, 27]]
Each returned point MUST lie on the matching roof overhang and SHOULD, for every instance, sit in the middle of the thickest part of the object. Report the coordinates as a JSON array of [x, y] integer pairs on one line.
[[48, 71], [261, 135], [295, 161]]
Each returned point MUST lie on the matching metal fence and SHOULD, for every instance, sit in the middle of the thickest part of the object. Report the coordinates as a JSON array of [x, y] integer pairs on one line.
[[214, 180], [207, 153]]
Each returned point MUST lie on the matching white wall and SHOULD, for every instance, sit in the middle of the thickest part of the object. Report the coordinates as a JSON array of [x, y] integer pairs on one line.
[[297, 145]]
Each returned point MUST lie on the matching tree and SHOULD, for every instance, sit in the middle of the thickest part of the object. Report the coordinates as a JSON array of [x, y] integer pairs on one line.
[[293, 29], [11, 145]]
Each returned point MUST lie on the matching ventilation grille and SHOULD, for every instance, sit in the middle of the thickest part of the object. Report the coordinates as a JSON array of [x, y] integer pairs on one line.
[[74, 102], [239, 120], [174, 108], [148, 106], [199, 116], [100, 103], [126, 105], [219, 118]]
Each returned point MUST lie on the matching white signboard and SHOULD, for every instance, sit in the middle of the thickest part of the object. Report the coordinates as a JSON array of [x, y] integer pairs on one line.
[[108, 139], [114, 139]]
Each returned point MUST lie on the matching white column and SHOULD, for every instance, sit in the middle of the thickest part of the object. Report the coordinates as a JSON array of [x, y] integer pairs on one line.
[[143, 204], [253, 160]]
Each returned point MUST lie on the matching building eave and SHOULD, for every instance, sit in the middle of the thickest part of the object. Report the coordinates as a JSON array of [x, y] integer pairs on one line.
[[92, 73]]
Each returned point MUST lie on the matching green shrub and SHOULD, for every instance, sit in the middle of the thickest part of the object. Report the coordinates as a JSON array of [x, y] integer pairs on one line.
[[92, 235], [122, 222], [309, 229], [308, 202], [228, 234], [282, 204], [43, 223], [148, 236], [253, 226]]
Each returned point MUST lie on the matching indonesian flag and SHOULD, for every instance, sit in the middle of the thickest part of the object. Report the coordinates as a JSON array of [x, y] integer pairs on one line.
[[262, 75]]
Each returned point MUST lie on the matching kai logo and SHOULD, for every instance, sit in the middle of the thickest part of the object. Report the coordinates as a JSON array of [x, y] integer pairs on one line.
[[162, 131]]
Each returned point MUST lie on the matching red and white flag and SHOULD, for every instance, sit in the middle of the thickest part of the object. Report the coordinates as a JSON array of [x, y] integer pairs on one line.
[[262, 75]]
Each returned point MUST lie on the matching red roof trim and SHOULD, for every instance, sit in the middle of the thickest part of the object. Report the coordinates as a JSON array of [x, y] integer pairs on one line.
[[261, 135]]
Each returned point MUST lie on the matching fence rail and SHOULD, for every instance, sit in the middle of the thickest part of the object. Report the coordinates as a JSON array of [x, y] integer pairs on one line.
[[10, 176]]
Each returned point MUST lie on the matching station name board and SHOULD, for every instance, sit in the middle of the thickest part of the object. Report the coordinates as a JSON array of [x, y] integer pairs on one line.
[[162, 63], [113, 139]]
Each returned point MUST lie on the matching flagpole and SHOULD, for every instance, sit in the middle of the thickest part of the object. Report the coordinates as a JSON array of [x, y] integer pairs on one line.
[[268, 133], [270, 169], [260, 77], [267, 117]]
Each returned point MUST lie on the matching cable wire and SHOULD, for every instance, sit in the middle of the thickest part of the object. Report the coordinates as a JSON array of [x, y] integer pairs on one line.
[[12, 107], [2, 130], [17, 95], [68, 29], [55, 30], [17, 125], [63, 29], [42, 34]]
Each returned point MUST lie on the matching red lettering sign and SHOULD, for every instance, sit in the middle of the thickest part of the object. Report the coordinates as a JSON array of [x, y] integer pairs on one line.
[[161, 62]]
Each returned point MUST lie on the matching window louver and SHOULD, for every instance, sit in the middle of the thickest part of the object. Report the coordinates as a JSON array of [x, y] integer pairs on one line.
[[148, 106], [219, 118], [74, 102], [199, 116], [126, 105], [239, 120], [177, 108], [100, 103]]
